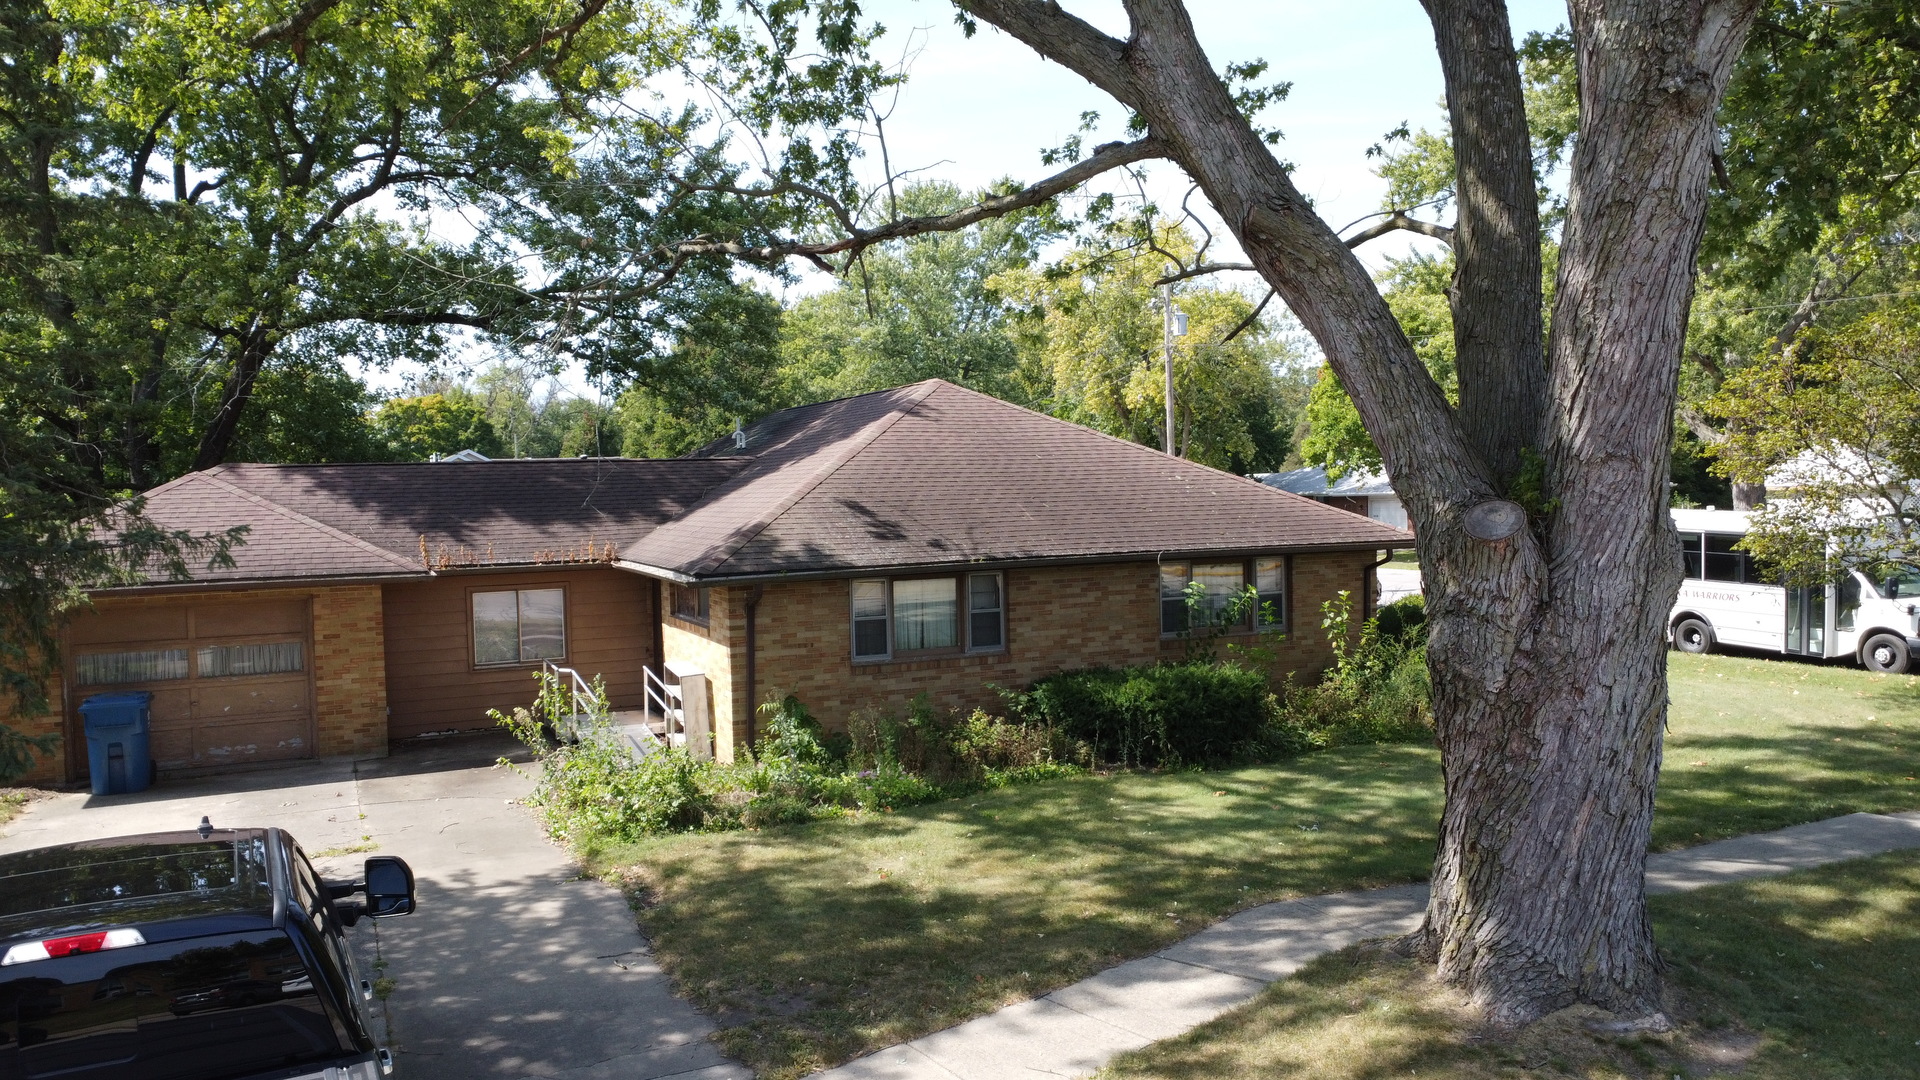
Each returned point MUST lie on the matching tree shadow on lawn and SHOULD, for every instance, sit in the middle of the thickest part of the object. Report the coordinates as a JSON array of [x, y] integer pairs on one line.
[[815, 943], [1719, 785]]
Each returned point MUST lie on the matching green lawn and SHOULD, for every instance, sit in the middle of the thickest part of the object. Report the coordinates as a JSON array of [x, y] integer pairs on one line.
[[815, 943], [1815, 976]]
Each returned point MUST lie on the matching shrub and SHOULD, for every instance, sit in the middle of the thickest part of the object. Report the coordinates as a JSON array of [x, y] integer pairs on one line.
[[1378, 690], [1198, 712], [595, 789]]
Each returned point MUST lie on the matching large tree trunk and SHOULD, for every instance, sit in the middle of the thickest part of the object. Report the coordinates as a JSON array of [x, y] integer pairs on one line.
[[255, 345], [1547, 648]]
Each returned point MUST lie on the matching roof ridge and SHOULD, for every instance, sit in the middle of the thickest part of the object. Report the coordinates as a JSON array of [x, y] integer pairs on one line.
[[300, 518], [917, 393], [1131, 445]]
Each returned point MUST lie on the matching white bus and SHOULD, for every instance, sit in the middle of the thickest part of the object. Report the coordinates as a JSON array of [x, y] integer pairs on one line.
[[1723, 601]]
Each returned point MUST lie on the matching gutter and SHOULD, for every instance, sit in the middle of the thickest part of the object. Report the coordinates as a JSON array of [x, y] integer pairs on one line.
[[753, 712], [893, 569], [1367, 583]]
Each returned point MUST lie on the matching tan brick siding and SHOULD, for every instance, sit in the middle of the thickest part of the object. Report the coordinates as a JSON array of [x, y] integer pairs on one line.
[[718, 650], [349, 672], [1057, 618]]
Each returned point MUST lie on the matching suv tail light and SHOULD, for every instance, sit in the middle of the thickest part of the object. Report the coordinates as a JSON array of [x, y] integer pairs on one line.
[[53, 948]]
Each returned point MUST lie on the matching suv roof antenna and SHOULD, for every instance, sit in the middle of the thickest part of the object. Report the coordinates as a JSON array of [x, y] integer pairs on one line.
[[206, 827]]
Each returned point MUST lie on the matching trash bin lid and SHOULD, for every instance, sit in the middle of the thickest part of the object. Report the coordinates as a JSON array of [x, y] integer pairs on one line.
[[124, 700]]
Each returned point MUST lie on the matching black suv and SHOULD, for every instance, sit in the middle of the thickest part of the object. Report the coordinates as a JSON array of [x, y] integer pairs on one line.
[[209, 955]]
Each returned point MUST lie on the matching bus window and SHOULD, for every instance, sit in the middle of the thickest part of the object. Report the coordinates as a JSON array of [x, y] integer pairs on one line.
[[1723, 563], [1902, 584], [1690, 553]]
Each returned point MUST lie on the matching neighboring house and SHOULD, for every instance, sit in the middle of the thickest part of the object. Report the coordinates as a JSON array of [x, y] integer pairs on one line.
[[926, 539], [1367, 493]]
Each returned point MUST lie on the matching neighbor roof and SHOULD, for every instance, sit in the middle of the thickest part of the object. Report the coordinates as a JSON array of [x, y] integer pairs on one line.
[[1312, 481], [934, 474]]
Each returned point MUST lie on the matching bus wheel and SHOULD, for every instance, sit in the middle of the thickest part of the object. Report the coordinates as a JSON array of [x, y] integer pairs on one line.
[[1884, 652], [1693, 636]]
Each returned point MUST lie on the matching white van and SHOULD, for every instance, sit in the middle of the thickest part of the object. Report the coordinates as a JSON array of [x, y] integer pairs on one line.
[[1724, 601]]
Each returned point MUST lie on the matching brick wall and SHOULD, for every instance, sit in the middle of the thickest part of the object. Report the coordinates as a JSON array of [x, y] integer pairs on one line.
[[1057, 618], [718, 650], [349, 672]]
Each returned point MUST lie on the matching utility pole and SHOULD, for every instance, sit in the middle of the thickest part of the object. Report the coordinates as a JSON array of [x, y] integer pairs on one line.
[[1173, 324]]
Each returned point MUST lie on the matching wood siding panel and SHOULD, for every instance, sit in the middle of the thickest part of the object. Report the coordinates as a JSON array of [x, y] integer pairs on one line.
[[432, 684]]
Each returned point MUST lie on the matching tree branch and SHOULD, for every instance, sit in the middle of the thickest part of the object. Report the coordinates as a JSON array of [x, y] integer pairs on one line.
[[1252, 317], [564, 34], [1201, 270], [1110, 156], [293, 28], [1396, 222]]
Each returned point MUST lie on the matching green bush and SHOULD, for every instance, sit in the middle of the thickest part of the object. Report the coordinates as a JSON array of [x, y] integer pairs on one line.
[[1378, 690], [1197, 712], [595, 789]]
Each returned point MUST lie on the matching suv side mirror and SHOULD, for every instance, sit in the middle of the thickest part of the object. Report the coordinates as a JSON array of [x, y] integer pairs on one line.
[[389, 887]]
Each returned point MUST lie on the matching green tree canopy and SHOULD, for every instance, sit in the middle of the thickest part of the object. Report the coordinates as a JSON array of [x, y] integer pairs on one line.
[[420, 428]]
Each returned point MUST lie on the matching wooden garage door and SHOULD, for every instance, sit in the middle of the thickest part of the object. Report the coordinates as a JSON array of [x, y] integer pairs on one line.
[[231, 679]]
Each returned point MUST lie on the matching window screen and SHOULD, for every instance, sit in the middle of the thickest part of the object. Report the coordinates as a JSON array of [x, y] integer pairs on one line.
[[985, 626], [150, 665], [869, 619], [271, 658], [925, 614], [519, 626], [1270, 579]]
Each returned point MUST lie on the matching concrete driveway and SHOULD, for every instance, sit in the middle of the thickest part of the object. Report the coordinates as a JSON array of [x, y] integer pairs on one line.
[[513, 966]]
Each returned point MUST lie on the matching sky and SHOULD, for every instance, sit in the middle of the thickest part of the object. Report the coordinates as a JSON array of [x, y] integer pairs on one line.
[[977, 110]]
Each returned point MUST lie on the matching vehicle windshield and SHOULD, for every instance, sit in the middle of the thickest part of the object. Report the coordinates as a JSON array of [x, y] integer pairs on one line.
[[1902, 584], [208, 1008]]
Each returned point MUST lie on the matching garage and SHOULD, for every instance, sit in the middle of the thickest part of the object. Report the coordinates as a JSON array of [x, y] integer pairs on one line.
[[231, 679]]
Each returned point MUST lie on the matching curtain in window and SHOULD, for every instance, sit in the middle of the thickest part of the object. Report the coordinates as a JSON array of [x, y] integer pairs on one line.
[[1173, 597], [273, 658], [1270, 580], [152, 665], [983, 611], [1223, 582], [869, 618], [925, 614]]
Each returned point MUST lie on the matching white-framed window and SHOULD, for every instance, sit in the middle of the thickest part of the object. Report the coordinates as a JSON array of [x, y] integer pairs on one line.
[[1222, 582], [901, 618], [689, 603], [518, 626]]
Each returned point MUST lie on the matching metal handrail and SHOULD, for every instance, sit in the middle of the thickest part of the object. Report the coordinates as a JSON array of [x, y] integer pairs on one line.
[[658, 691], [579, 690]]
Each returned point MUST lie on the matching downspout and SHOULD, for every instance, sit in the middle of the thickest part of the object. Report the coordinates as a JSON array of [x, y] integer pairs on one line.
[[753, 611], [1367, 583]]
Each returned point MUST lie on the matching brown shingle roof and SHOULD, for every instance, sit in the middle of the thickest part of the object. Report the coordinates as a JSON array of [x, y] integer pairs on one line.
[[923, 475], [313, 521], [933, 474]]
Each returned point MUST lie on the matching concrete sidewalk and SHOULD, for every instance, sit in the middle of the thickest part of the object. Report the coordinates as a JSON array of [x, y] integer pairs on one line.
[[514, 965], [1077, 1029]]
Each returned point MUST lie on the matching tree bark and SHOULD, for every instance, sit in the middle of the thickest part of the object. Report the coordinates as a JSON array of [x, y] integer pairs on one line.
[[255, 345], [1547, 649]]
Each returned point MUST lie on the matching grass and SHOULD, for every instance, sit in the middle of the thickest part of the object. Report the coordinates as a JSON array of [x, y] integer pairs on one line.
[[1807, 977], [812, 944]]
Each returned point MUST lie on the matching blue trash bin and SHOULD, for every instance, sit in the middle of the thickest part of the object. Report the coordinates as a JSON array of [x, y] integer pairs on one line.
[[118, 757]]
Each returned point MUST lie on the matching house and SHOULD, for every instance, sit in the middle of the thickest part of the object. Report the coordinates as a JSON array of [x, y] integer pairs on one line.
[[1368, 493], [925, 539]]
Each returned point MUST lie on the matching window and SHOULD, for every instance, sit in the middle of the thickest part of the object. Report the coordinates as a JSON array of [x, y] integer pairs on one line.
[[1725, 564], [986, 628], [272, 658], [518, 626], [1690, 553], [1221, 584], [149, 665], [1270, 580], [690, 604], [901, 617], [1848, 603]]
